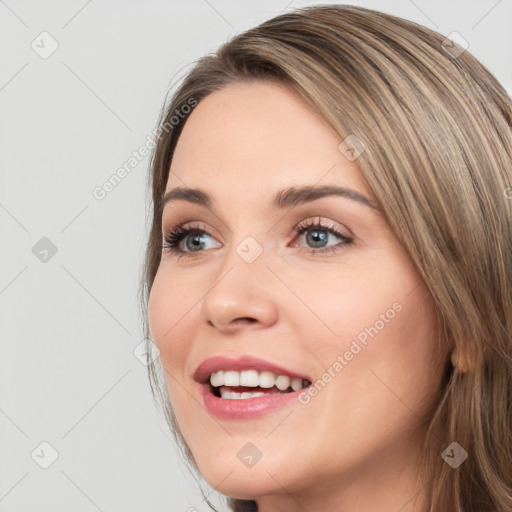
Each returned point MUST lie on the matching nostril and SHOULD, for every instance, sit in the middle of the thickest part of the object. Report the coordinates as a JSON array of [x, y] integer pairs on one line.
[[245, 319]]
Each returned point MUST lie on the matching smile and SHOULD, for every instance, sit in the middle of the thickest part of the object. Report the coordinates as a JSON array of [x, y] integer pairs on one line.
[[237, 385]]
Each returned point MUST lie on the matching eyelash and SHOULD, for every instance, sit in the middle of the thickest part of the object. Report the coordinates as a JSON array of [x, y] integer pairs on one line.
[[175, 235]]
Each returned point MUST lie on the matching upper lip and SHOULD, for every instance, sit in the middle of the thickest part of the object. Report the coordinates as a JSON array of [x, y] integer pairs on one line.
[[245, 362]]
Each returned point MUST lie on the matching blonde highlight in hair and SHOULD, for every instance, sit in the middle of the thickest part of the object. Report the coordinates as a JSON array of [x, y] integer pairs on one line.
[[438, 135]]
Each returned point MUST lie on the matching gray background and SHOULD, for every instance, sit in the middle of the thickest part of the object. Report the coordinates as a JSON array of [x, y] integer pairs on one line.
[[70, 323]]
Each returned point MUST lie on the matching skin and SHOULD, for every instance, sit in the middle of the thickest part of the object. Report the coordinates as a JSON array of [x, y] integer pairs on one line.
[[355, 445]]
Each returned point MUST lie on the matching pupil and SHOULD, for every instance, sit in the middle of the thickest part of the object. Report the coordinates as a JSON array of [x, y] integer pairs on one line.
[[197, 240], [316, 236]]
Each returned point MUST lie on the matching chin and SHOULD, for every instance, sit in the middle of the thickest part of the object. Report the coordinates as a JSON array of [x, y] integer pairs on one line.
[[227, 475], [241, 483]]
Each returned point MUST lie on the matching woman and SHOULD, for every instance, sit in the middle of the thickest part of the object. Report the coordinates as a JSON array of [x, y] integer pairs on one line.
[[328, 276]]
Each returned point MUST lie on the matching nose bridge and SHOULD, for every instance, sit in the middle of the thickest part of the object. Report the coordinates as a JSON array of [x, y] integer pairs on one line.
[[242, 288], [248, 247], [244, 266]]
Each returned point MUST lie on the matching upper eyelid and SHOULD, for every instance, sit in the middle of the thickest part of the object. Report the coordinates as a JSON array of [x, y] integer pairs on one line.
[[324, 223], [308, 223]]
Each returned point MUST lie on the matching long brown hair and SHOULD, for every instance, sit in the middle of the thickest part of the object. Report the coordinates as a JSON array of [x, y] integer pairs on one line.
[[437, 127]]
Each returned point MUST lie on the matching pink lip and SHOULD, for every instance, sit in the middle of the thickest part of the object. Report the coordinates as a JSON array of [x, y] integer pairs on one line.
[[246, 408], [214, 364]]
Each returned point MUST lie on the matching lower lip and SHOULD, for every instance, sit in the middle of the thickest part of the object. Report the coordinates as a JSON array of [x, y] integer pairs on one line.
[[244, 408]]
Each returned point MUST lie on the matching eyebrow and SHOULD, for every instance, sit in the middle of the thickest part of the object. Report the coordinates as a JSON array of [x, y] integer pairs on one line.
[[286, 198]]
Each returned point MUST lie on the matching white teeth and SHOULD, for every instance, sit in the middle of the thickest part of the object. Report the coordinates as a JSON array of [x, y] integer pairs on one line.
[[267, 379], [296, 384], [249, 378], [231, 378], [252, 378], [217, 379], [283, 382], [234, 395]]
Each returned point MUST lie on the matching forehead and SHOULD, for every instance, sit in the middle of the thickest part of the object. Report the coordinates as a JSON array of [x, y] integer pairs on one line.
[[256, 138]]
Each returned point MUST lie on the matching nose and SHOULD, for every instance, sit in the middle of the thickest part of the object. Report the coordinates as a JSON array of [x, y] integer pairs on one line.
[[243, 296]]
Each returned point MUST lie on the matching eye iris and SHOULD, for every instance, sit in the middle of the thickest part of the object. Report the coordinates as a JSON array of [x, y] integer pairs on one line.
[[316, 235], [197, 241]]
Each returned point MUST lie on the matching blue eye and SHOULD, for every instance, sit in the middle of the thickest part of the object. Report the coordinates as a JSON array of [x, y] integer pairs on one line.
[[194, 239], [318, 235]]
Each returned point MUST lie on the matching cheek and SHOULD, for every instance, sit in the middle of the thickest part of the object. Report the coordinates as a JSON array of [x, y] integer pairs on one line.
[[381, 321], [170, 316], [343, 301], [379, 367]]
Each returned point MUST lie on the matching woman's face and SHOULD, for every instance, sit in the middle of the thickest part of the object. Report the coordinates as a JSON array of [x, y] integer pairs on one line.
[[339, 304]]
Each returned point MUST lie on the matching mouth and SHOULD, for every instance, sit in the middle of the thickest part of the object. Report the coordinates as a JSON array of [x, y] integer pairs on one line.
[[235, 385], [247, 388], [247, 403]]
